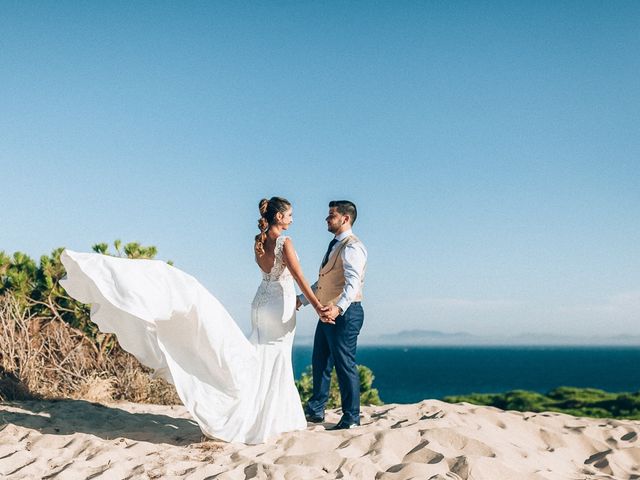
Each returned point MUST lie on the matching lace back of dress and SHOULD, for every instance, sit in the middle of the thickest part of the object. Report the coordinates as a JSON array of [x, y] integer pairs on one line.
[[279, 269]]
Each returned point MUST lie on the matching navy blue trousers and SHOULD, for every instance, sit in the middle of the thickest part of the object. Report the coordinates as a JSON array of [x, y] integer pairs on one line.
[[336, 345]]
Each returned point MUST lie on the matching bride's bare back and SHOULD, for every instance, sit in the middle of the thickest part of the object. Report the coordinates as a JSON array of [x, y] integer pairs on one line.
[[268, 259]]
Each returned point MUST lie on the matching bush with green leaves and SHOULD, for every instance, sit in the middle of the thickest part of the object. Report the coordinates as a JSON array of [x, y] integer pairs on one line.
[[50, 348], [37, 287], [586, 402], [368, 394]]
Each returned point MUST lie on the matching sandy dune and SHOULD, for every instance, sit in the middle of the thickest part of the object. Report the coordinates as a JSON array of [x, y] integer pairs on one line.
[[72, 439]]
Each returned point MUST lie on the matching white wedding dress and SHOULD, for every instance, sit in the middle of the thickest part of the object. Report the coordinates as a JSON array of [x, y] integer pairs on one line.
[[237, 389]]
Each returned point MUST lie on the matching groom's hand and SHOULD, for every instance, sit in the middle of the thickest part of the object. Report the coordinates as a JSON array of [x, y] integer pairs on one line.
[[298, 303], [324, 319], [331, 312]]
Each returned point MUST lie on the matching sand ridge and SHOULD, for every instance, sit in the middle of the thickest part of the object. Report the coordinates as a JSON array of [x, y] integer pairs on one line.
[[72, 439]]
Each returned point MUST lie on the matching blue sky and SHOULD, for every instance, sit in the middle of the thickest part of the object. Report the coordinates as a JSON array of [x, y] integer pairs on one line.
[[492, 147]]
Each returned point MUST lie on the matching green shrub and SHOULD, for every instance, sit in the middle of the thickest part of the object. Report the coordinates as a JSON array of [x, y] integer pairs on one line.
[[368, 394], [37, 287], [585, 402]]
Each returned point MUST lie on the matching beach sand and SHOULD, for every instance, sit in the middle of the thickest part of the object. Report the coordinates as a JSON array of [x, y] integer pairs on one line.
[[75, 439]]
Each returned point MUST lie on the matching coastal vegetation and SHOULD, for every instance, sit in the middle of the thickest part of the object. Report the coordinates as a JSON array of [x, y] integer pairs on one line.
[[50, 348], [368, 394], [580, 402]]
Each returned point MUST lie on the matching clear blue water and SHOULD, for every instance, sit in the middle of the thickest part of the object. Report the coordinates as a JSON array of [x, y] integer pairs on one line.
[[411, 374]]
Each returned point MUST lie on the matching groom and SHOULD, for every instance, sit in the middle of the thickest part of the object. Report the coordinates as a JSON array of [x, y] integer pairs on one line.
[[339, 288]]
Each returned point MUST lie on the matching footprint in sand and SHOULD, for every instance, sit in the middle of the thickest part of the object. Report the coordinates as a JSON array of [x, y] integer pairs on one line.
[[433, 416], [501, 424], [460, 467], [551, 439], [599, 460], [421, 454]]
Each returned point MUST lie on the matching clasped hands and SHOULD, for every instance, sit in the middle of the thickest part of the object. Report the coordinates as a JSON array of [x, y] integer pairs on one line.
[[327, 313]]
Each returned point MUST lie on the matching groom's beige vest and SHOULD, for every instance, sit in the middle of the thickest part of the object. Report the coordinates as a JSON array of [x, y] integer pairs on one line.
[[331, 278]]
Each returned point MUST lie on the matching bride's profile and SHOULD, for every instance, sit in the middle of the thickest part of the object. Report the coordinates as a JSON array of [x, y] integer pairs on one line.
[[238, 389]]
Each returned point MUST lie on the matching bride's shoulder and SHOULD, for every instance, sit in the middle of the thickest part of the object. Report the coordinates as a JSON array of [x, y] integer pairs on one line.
[[284, 241], [281, 240]]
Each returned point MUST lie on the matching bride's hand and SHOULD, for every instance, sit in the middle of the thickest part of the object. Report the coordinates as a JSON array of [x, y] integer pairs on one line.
[[321, 311]]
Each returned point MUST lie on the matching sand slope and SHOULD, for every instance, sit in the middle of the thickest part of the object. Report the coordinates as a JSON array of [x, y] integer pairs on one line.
[[73, 439]]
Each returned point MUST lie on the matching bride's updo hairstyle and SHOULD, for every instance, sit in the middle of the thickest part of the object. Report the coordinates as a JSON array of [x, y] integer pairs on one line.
[[268, 210]]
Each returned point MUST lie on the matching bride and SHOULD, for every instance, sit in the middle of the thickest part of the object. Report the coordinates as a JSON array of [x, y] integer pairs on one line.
[[237, 389]]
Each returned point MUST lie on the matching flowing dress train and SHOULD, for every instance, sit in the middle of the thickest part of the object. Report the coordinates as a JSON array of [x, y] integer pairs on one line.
[[238, 389]]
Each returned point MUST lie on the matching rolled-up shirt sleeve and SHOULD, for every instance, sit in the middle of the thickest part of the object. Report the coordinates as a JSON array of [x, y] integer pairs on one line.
[[304, 299], [354, 258]]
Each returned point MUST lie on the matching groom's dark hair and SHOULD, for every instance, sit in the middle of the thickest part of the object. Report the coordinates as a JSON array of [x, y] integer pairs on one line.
[[345, 207]]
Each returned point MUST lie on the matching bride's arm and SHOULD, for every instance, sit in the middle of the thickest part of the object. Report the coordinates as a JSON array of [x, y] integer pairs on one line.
[[291, 260]]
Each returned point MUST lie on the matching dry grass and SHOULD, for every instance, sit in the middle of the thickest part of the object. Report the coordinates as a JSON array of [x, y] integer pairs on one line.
[[47, 358]]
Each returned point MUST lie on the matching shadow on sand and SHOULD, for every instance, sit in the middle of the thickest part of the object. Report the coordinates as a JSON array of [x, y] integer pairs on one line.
[[66, 417]]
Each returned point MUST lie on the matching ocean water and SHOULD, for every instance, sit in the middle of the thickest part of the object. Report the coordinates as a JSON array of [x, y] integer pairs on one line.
[[411, 374]]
